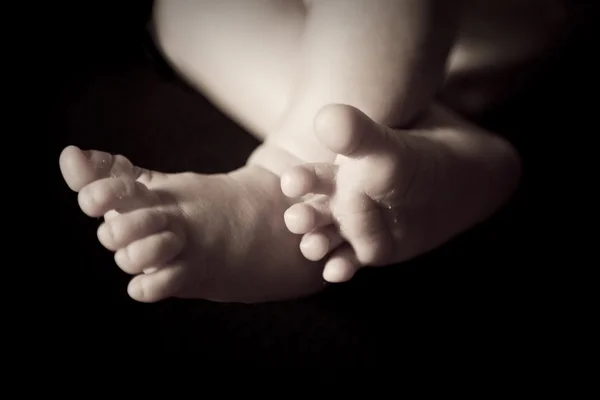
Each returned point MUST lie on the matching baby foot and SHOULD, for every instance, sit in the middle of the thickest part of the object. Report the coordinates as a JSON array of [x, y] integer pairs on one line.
[[352, 209], [216, 237]]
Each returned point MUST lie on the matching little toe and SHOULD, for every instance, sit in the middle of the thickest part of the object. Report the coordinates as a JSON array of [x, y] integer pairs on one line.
[[317, 244], [303, 217], [160, 284], [341, 265], [121, 194], [348, 131], [315, 178], [154, 250], [121, 230], [80, 168]]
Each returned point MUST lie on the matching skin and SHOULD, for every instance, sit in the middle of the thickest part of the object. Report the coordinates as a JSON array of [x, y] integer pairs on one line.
[[358, 152]]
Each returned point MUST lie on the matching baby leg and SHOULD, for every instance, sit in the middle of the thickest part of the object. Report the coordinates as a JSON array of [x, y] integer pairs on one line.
[[272, 65], [242, 54]]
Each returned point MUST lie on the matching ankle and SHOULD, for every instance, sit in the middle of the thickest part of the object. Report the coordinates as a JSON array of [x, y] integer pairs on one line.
[[295, 135], [261, 182]]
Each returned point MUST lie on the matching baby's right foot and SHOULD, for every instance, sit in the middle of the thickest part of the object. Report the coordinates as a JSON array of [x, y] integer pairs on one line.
[[215, 237]]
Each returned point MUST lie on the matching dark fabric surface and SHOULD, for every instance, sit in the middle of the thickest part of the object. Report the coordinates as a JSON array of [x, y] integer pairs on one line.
[[110, 92]]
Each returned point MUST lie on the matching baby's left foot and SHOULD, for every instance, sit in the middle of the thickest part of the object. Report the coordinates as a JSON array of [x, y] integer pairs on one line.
[[391, 195], [354, 209]]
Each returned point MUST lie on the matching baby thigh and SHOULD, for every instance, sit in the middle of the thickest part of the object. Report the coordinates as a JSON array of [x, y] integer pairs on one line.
[[242, 54]]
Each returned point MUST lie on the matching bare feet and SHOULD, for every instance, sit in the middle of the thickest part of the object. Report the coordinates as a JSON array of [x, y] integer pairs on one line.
[[217, 237], [390, 195]]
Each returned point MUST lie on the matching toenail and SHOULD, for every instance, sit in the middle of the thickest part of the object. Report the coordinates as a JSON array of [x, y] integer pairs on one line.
[[86, 200], [287, 185], [106, 234], [311, 241], [291, 216], [286, 179], [122, 258], [135, 290]]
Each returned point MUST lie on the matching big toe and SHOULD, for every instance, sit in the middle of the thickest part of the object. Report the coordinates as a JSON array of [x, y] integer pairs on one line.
[[80, 168], [348, 131]]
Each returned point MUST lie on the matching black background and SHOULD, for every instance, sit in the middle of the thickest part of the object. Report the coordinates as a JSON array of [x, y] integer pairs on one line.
[[491, 288]]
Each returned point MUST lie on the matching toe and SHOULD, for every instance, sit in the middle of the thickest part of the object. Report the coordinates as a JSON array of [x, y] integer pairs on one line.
[[154, 250], [303, 217], [317, 244], [341, 266], [162, 283], [347, 131], [121, 230], [317, 178], [80, 168], [121, 194]]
